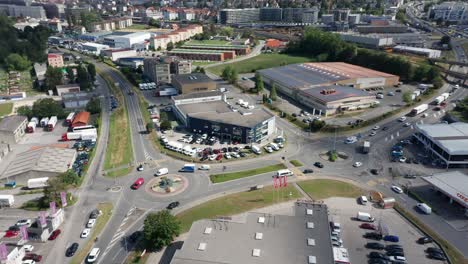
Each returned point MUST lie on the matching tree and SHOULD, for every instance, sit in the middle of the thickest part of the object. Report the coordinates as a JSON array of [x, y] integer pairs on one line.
[[54, 77], [70, 178], [273, 93], [17, 62], [94, 106], [227, 31], [166, 125], [154, 23], [420, 73], [445, 40], [149, 127], [83, 78], [437, 82], [25, 111], [47, 107], [227, 71], [92, 71], [52, 191], [71, 75], [316, 125], [432, 74], [170, 46], [258, 83], [233, 77], [407, 97], [160, 229]]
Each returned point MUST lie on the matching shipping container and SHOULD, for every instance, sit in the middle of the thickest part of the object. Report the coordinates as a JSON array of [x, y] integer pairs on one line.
[[38, 183]]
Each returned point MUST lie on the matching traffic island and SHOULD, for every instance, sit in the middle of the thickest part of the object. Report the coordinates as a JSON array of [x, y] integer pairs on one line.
[[167, 185], [334, 156]]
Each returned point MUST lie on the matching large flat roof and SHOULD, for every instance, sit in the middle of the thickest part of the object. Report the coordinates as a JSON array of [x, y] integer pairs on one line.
[[196, 51], [219, 111], [279, 239], [336, 93], [197, 95], [11, 123], [453, 183], [452, 137], [192, 78]]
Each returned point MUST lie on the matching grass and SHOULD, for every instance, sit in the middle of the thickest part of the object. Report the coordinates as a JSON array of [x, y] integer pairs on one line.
[[119, 148], [324, 188], [296, 163], [209, 42], [119, 172], [259, 62], [139, 26], [448, 55], [101, 222], [458, 115], [235, 204], [453, 254], [201, 63], [224, 177], [465, 46], [25, 83], [5, 109]]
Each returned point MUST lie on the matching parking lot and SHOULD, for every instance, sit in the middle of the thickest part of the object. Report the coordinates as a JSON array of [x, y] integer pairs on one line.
[[344, 210]]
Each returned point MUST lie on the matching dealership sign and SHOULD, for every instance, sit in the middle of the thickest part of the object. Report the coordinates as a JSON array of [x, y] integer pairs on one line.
[[462, 197]]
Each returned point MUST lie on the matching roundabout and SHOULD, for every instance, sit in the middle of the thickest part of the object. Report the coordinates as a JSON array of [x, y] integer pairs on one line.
[[168, 185]]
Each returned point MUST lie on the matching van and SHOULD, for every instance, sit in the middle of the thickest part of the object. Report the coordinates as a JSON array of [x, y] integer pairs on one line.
[[204, 167], [162, 171], [424, 208], [363, 200], [284, 172], [93, 255], [256, 150], [391, 238], [365, 217]]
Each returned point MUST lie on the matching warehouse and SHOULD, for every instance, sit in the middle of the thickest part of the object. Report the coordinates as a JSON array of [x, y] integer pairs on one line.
[[302, 236], [67, 88], [372, 41], [448, 142], [239, 49], [116, 54], [12, 129], [81, 119], [454, 184], [203, 55], [40, 162], [308, 83], [77, 100], [93, 48], [125, 40], [193, 83], [429, 53], [209, 113]]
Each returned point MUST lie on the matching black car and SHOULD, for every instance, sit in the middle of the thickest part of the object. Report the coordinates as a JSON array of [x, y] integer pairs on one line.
[[373, 235], [318, 164], [242, 154], [306, 171], [398, 253], [374, 171], [437, 256], [393, 246], [377, 261], [94, 214], [378, 255], [173, 205], [434, 250], [385, 128], [424, 240], [71, 250], [374, 245]]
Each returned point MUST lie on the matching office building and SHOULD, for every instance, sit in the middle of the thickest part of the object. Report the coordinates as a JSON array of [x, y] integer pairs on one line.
[[239, 16], [193, 83], [455, 12], [12, 128], [23, 11], [341, 15], [271, 14], [157, 70]]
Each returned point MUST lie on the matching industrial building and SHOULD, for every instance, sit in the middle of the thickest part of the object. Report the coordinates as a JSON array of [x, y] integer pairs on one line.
[[93, 48], [126, 40], [203, 55], [367, 29], [448, 142], [238, 49], [116, 54], [329, 87], [157, 70], [95, 36], [193, 83], [299, 238], [12, 129], [40, 162], [372, 41], [81, 119], [77, 100], [67, 88], [429, 53], [208, 112], [453, 184]]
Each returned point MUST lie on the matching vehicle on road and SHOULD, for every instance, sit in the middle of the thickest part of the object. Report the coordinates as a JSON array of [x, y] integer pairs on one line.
[[363, 200], [318, 164], [85, 232], [396, 189], [93, 255], [402, 159], [140, 167], [307, 171], [384, 128], [357, 164], [364, 217], [375, 245], [204, 167], [11, 233], [419, 109], [162, 171], [407, 124], [91, 223], [351, 140], [373, 133], [72, 250], [365, 147], [28, 248], [376, 128], [374, 172], [368, 226], [22, 222], [424, 240], [55, 234], [173, 205], [402, 119], [424, 208], [138, 183], [191, 167]]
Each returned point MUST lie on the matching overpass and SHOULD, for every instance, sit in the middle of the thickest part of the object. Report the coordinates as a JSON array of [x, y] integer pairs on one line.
[[461, 76]]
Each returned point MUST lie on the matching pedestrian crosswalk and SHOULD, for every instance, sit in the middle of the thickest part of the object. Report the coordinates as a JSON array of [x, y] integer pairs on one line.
[[119, 233]]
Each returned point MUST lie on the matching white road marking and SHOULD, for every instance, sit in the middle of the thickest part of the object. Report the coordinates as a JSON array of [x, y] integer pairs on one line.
[[398, 133], [391, 136], [411, 127], [386, 139]]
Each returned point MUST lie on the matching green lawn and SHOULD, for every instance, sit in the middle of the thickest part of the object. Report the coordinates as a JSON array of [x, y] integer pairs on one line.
[[259, 62], [5, 109], [236, 203], [139, 26], [223, 177], [201, 63], [208, 41], [296, 163], [323, 188], [465, 47]]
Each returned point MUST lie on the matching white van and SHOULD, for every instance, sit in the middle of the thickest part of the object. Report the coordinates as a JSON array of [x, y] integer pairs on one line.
[[284, 172], [365, 217], [93, 255], [363, 200], [162, 171], [204, 167], [424, 208], [256, 150]]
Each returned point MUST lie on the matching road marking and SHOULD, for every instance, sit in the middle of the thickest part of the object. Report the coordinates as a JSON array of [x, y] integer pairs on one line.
[[435, 115], [116, 237], [391, 136], [398, 133], [422, 122], [386, 139], [411, 127]]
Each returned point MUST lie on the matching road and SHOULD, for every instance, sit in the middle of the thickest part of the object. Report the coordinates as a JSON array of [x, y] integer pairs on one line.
[[257, 50]]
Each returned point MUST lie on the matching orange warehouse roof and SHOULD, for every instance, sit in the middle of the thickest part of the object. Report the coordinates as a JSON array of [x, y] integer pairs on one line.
[[348, 70], [81, 117]]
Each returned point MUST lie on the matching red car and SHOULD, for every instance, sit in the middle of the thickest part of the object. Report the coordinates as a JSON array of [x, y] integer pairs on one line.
[[138, 183], [368, 226], [11, 233], [55, 234], [33, 256], [219, 157]]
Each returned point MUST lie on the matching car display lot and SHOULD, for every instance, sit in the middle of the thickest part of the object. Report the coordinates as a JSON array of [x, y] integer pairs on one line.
[[344, 210]]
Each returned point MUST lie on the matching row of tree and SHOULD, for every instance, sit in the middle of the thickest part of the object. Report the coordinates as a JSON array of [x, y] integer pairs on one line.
[[86, 75], [47, 107], [230, 74], [329, 47], [19, 48]]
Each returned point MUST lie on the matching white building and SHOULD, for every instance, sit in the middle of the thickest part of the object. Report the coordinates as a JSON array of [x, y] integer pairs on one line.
[[15, 256], [449, 11], [116, 54], [430, 53], [127, 41], [370, 40], [94, 48]]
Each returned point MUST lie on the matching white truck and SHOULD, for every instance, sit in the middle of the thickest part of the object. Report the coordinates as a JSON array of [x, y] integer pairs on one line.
[[88, 134], [51, 124], [424, 208], [44, 121], [366, 147], [6, 200], [31, 127], [38, 183], [365, 217], [419, 109]]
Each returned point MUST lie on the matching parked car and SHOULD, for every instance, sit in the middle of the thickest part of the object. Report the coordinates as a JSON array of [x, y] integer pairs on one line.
[[424, 240], [173, 205], [391, 238], [72, 250], [377, 261], [357, 164], [140, 167], [307, 171], [396, 189], [32, 256], [11, 233], [318, 164], [28, 261], [396, 252], [393, 246], [368, 226], [374, 171], [397, 259], [375, 245], [375, 254], [434, 250], [55, 234], [22, 222], [91, 223], [436, 256], [373, 235], [85, 233], [28, 248], [94, 214]]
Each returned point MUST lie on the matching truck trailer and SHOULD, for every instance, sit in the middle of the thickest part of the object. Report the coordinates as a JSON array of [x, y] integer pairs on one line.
[[419, 109], [366, 147], [6, 200], [31, 127], [51, 124], [44, 121], [70, 118], [167, 92], [88, 134], [38, 183]]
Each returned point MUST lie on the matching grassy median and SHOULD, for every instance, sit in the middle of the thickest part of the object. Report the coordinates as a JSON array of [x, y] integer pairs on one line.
[[119, 148], [101, 222], [237, 203], [296, 163], [5, 109], [223, 177], [324, 188]]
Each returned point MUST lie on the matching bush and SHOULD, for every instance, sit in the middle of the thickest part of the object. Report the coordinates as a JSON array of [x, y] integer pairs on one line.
[[332, 156]]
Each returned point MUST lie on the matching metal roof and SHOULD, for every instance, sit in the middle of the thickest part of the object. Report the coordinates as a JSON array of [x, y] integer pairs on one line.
[[284, 239], [191, 78], [197, 95], [451, 137], [452, 183], [11, 123], [340, 93]]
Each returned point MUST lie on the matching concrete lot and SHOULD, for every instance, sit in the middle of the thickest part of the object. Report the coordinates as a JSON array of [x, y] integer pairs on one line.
[[343, 210]]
